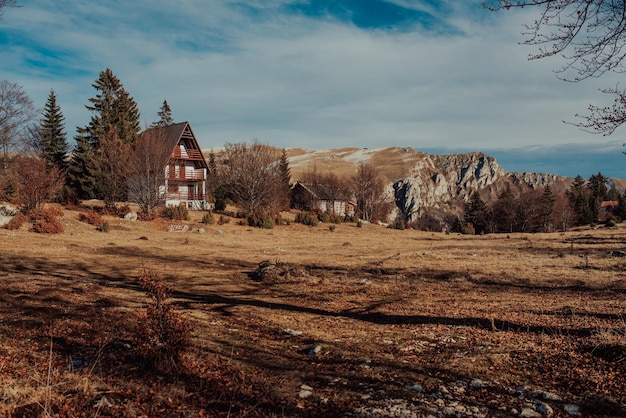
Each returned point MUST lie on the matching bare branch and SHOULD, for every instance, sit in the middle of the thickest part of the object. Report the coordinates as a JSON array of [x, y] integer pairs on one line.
[[251, 175], [146, 179], [605, 120], [17, 112], [7, 3], [589, 34]]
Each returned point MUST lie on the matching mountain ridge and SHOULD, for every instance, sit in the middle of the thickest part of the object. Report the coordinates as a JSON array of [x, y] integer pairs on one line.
[[426, 184]]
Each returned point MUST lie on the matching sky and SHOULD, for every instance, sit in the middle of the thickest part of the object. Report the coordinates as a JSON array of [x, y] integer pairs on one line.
[[439, 76]]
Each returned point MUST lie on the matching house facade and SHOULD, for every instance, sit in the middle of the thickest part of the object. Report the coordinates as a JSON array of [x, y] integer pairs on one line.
[[187, 171], [319, 198]]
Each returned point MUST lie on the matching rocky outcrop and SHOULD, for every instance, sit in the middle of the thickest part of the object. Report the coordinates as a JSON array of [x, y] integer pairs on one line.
[[426, 184], [7, 213], [441, 184], [537, 180]]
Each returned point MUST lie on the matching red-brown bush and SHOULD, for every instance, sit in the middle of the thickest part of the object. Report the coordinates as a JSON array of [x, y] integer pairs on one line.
[[91, 217], [165, 333], [17, 222], [45, 221]]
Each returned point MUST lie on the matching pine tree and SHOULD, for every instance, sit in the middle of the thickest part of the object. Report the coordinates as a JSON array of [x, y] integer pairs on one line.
[[579, 197], [546, 208], [620, 213], [599, 192], [52, 143], [285, 179], [476, 212], [165, 115], [81, 174], [115, 114], [503, 211], [214, 186]]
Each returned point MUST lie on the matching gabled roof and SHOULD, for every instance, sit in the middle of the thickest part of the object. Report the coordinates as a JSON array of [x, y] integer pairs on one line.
[[321, 191], [172, 134]]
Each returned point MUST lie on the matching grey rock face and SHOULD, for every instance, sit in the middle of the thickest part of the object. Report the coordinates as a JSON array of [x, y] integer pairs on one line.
[[443, 183]]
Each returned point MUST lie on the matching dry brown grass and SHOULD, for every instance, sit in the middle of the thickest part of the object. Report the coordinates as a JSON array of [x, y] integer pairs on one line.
[[390, 309]]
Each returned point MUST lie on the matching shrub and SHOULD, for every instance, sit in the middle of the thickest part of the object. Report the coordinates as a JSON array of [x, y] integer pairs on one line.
[[92, 218], [359, 224], [17, 221], [331, 228], [220, 203], [175, 213], [223, 220], [306, 218], [468, 229], [164, 334], [50, 212], [208, 219], [399, 224], [265, 223], [328, 217], [146, 215], [324, 217], [122, 210], [279, 220], [611, 222], [104, 227], [336, 218], [45, 221]]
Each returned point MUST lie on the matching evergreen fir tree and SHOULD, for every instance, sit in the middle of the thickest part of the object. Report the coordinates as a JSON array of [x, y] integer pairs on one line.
[[214, 186], [285, 180], [81, 174], [114, 113], [52, 140], [579, 198], [165, 115], [503, 211], [613, 192], [476, 212], [620, 212], [599, 193], [126, 118], [546, 208]]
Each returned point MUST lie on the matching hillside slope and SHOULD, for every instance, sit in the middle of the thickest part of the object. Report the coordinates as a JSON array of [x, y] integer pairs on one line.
[[422, 183]]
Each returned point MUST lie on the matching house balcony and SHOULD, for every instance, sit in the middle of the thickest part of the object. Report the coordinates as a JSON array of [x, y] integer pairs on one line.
[[187, 154], [185, 196], [195, 175]]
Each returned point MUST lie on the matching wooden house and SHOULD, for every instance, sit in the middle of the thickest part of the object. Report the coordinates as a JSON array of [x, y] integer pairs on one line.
[[187, 171], [321, 198]]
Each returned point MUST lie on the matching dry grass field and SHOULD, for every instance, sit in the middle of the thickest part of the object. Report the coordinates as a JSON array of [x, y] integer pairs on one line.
[[352, 322]]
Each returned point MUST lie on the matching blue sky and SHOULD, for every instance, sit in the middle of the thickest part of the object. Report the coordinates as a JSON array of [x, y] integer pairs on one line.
[[439, 76]]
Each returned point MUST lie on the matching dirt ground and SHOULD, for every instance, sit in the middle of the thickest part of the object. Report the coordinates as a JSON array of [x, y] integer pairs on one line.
[[339, 323]]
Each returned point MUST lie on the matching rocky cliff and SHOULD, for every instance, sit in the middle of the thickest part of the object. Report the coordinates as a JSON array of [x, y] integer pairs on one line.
[[441, 184], [423, 183]]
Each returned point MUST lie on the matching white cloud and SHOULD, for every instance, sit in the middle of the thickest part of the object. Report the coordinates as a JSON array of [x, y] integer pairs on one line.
[[294, 81]]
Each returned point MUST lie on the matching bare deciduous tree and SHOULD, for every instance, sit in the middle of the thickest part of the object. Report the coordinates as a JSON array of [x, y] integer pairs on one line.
[[563, 216], [250, 174], [591, 36], [146, 179], [17, 113], [369, 189], [112, 167]]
